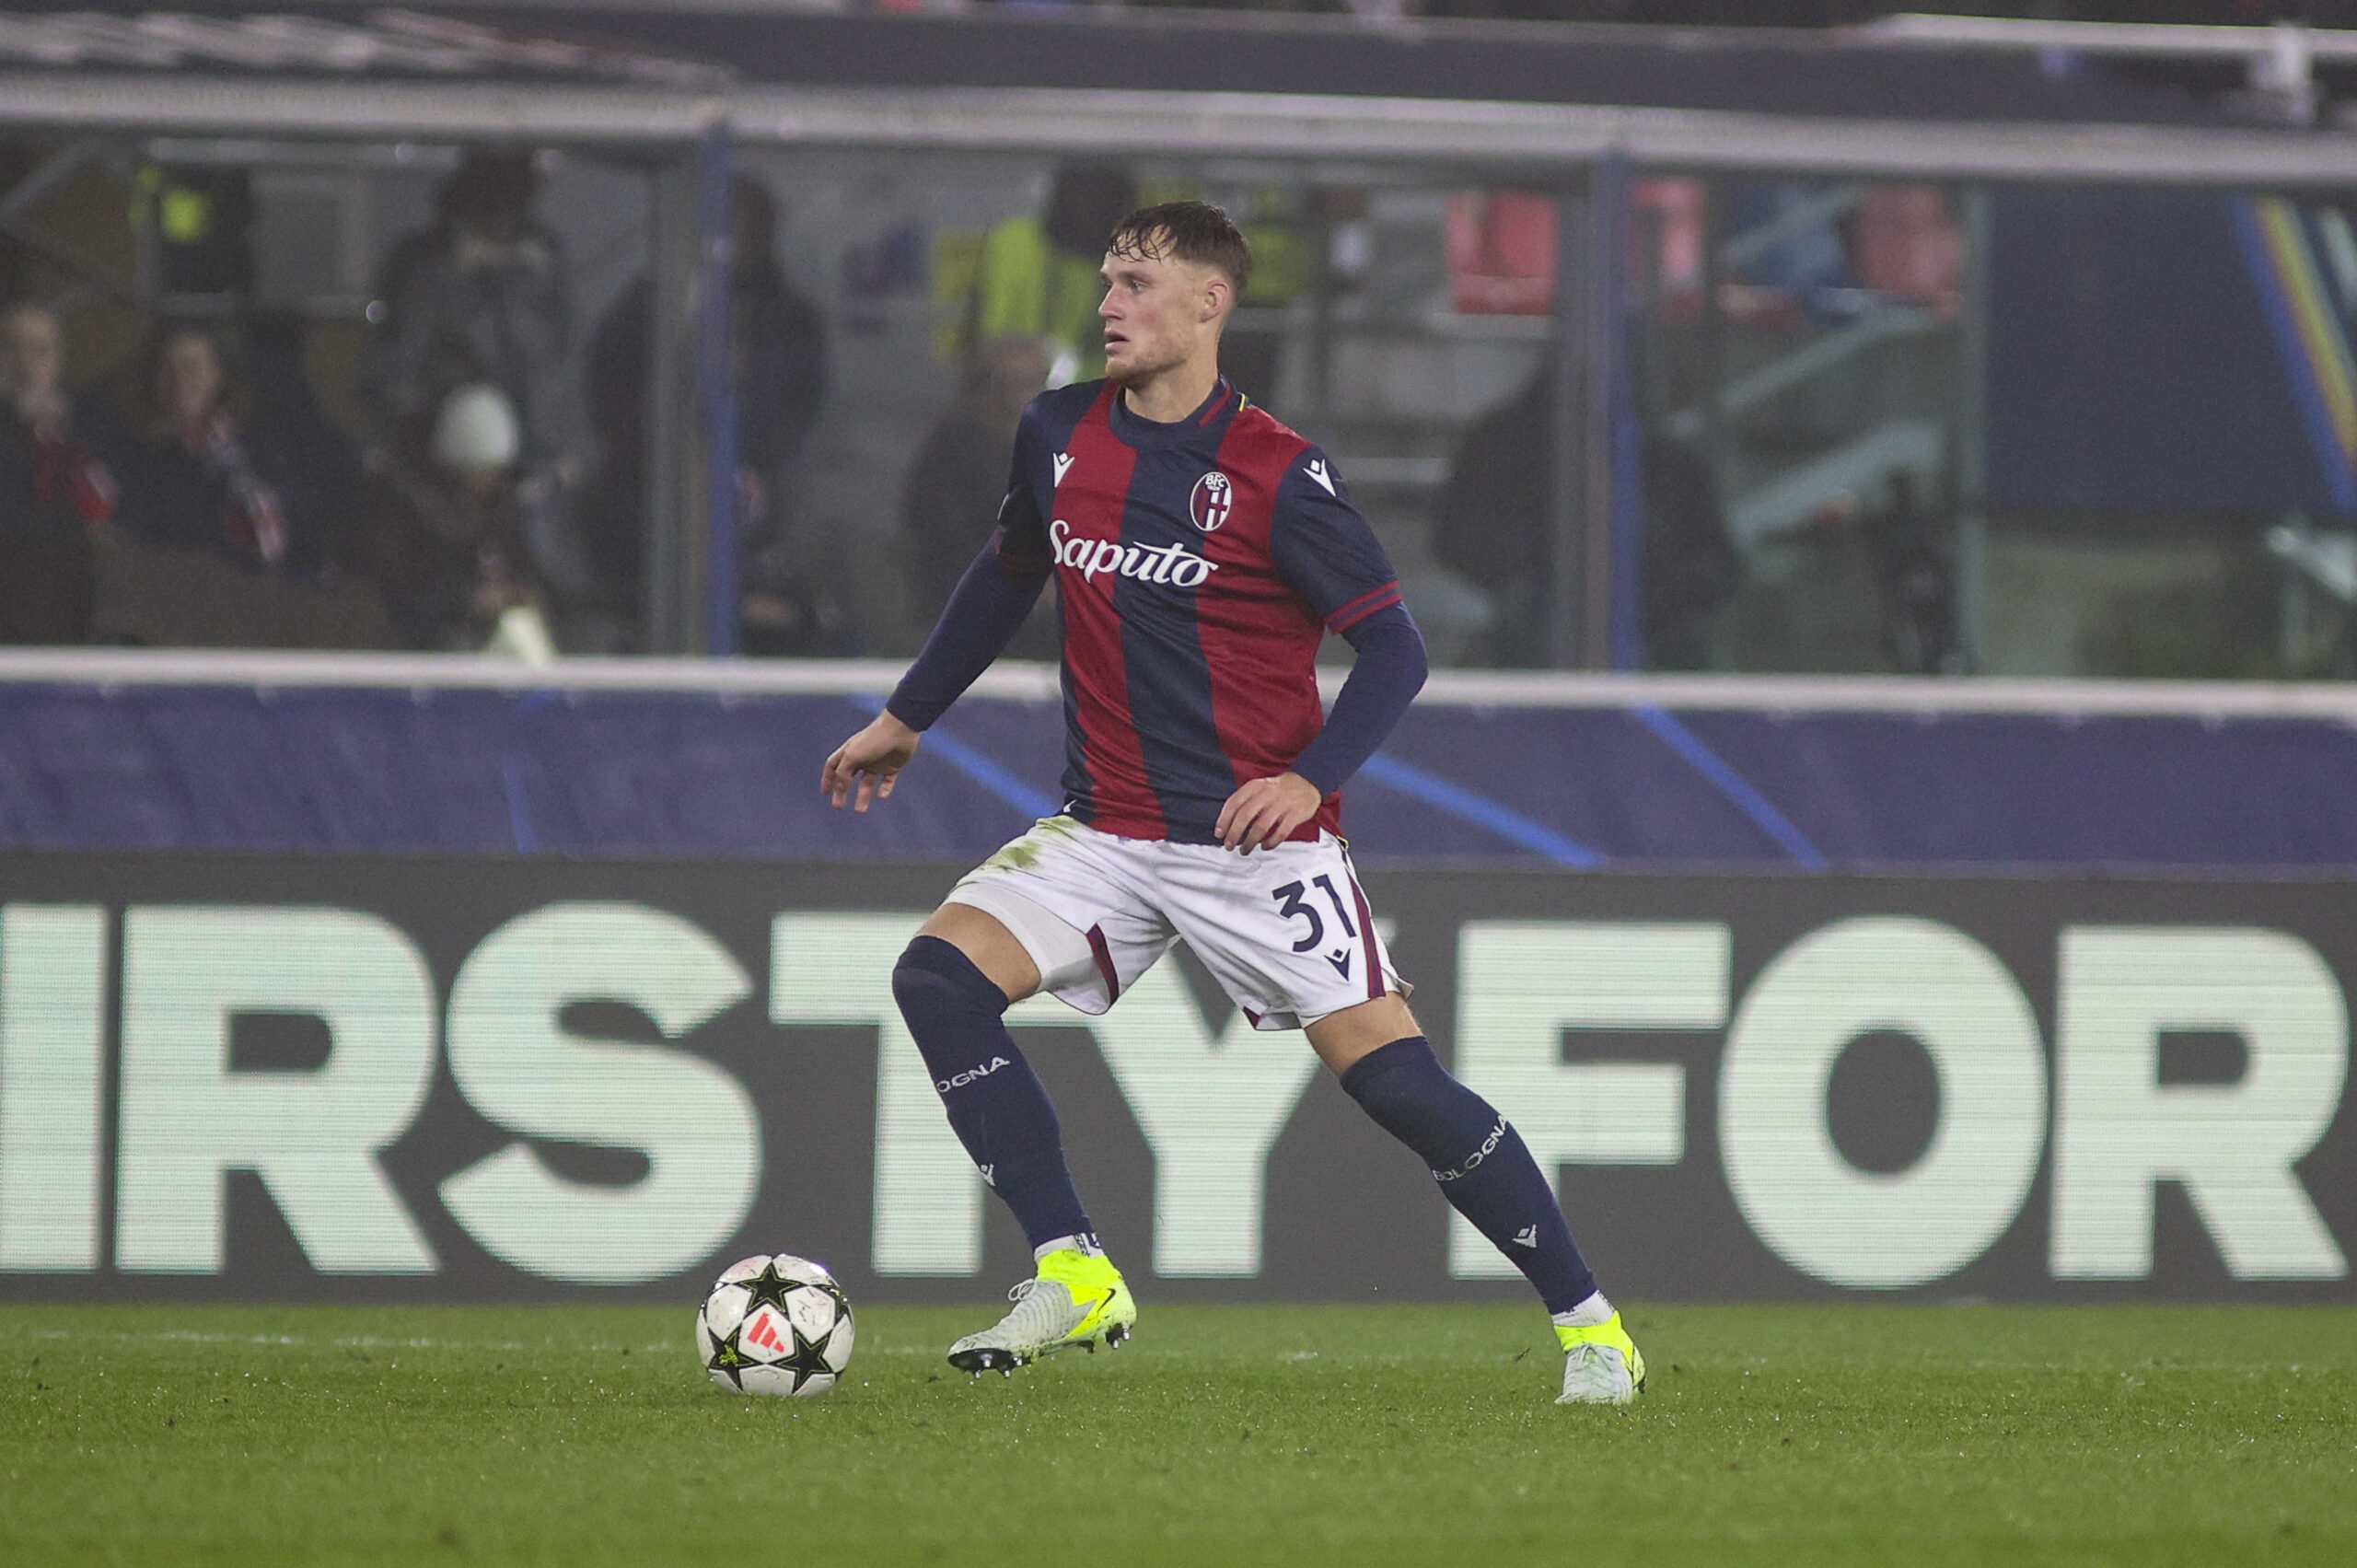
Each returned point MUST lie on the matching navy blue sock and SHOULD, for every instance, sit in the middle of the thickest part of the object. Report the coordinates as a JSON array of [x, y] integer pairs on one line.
[[996, 1104], [1483, 1167]]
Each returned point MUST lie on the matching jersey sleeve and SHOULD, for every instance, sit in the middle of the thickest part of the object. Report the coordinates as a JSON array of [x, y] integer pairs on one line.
[[1324, 548], [1021, 542]]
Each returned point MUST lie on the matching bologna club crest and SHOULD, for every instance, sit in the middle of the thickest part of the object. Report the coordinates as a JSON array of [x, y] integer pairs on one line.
[[1213, 497]]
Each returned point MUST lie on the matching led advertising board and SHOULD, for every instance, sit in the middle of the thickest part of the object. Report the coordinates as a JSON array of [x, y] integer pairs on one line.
[[240, 1075]]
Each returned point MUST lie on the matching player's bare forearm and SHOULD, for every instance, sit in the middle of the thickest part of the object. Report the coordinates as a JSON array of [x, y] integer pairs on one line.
[[1263, 813], [862, 769]]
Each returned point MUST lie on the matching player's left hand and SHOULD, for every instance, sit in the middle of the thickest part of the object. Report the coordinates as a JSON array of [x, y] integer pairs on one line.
[[1265, 813], [872, 759]]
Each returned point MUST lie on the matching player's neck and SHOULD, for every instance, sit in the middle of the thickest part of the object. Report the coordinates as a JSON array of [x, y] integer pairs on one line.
[[1168, 396]]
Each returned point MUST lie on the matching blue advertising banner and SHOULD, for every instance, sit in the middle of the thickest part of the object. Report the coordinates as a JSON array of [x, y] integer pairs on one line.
[[1692, 775]]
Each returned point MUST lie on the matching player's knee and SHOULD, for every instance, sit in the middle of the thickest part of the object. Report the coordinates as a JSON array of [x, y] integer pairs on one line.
[[1404, 1066], [934, 980]]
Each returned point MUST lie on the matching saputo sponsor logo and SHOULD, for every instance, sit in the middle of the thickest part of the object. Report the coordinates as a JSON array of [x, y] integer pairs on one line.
[[1473, 1161], [971, 1074], [1172, 563]]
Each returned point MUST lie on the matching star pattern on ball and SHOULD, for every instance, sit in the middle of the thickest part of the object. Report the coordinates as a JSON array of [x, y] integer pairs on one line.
[[769, 1286], [729, 1360], [809, 1358]]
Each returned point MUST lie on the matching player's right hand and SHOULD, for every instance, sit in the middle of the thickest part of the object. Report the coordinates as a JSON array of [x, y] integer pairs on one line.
[[868, 763]]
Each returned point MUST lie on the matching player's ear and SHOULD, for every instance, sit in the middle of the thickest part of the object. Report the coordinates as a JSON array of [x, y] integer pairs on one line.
[[1218, 295]]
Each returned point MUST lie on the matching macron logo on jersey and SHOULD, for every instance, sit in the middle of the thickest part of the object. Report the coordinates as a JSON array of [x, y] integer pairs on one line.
[[1318, 471], [1063, 466], [1172, 563]]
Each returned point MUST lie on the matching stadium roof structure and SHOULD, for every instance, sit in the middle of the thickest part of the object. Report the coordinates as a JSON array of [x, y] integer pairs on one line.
[[1902, 98]]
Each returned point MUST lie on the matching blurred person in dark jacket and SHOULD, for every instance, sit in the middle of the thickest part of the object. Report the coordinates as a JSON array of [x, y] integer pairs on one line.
[[442, 539], [481, 298], [1493, 524], [196, 471], [319, 471], [777, 354], [53, 490], [1038, 275], [47, 460], [950, 501]]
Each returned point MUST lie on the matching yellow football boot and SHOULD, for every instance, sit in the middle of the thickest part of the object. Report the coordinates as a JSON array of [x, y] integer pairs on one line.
[[1077, 1299], [1601, 1364]]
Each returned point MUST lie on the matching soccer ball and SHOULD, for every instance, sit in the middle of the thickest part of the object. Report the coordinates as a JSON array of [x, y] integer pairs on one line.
[[776, 1326]]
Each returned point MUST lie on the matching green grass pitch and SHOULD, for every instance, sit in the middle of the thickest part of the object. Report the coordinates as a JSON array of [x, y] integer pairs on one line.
[[1865, 1435]]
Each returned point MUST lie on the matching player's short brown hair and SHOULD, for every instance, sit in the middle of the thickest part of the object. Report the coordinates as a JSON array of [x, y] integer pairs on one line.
[[1185, 231]]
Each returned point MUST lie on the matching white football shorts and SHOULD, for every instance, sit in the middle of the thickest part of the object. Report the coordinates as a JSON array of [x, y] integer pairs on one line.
[[1287, 932]]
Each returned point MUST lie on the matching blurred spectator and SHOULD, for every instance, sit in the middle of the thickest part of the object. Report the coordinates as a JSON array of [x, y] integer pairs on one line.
[[52, 491], [951, 500], [480, 298], [47, 464], [1038, 276], [318, 474], [1493, 525], [1690, 567], [777, 351], [1807, 264], [443, 538], [1905, 243], [69, 574], [196, 472], [1914, 556]]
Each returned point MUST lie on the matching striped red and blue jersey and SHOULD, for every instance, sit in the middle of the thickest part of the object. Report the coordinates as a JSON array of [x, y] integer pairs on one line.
[[1197, 566]]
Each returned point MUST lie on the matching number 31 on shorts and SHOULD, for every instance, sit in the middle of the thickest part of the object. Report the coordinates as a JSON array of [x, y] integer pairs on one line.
[[1295, 902]]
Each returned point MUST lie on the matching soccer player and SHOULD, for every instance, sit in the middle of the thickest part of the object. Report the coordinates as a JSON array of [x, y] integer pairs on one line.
[[1199, 550]]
